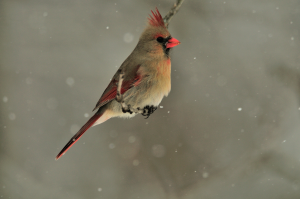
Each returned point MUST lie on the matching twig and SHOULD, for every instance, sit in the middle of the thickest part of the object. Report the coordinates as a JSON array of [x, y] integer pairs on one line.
[[172, 12]]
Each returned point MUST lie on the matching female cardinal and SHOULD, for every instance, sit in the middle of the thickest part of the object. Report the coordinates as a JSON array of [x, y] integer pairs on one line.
[[146, 81]]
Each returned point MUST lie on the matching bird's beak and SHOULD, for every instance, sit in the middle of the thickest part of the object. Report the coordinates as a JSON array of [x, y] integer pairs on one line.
[[172, 42]]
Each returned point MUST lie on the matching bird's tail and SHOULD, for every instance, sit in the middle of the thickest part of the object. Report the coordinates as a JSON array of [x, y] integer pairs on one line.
[[83, 129]]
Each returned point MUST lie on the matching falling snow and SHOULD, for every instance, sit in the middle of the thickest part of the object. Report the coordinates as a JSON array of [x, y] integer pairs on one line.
[[128, 37], [70, 81], [74, 128], [12, 116], [205, 175], [131, 139], [136, 162], [112, 146], [5, 99]]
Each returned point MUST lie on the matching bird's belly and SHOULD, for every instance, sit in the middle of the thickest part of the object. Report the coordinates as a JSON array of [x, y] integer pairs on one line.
[[152, 95], [148, 93], [153, 99]]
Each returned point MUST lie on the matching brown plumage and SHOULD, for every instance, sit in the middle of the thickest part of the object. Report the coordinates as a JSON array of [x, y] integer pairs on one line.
[[147, 77]]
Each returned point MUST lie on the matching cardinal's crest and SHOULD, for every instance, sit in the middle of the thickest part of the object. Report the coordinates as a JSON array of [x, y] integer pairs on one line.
[[156, 19]]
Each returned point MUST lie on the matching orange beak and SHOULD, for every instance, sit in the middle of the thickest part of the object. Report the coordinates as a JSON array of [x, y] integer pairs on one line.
[[172, 42]]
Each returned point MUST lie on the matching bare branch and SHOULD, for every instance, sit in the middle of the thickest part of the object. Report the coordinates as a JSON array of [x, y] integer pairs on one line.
[[172, 12]]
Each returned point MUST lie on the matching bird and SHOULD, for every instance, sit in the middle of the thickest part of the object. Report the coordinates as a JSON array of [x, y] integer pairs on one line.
[[146, 78]]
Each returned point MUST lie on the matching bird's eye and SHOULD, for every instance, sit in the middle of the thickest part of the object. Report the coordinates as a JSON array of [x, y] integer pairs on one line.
[[160, 39]]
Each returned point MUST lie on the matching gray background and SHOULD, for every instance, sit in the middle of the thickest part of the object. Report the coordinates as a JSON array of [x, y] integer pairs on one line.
[[228, 129]]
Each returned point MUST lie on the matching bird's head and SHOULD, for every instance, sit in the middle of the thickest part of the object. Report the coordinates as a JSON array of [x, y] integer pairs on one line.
[[156, 37]]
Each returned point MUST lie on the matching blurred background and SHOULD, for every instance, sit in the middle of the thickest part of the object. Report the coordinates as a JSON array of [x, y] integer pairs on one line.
[[228, 129]]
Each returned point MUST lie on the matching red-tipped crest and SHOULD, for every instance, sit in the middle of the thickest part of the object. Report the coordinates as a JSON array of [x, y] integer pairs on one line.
[[156, 19]]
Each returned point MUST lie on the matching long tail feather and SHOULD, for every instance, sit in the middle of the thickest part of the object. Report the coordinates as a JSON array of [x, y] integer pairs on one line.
[[83, 129]]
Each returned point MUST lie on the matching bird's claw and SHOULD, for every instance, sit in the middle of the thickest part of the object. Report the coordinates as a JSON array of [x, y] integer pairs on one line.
[[148, 110]]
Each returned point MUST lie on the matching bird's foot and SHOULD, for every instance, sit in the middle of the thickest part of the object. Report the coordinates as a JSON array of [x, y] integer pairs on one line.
[[148, 110]]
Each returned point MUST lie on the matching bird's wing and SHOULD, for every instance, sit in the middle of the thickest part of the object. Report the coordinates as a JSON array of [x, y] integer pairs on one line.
[[111, 91]]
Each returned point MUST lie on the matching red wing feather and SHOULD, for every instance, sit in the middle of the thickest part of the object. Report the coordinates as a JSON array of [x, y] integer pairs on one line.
[[111, 90], [109, 94]]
